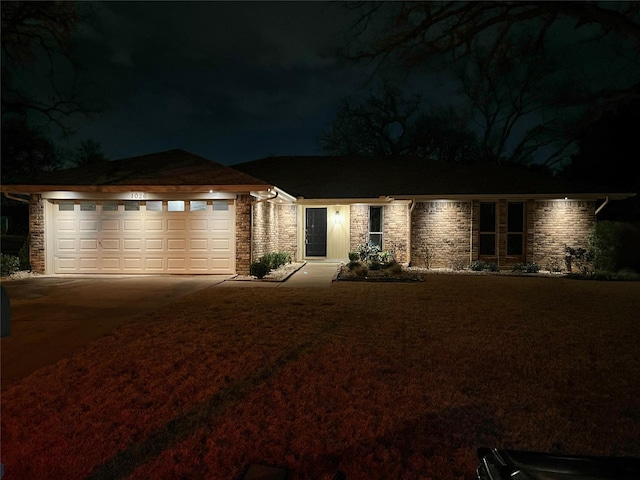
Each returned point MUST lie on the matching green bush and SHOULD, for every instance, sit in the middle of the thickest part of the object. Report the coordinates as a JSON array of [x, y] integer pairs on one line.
[[275, 260], [368, 252], [613, 246], [375, 265], [353, 264], [393, 267], [478, 265], [353, 256], [259, 269], [361, 270], [526, 267], [9, 264]]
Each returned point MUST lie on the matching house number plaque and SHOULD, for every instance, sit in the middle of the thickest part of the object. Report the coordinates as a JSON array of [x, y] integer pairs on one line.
[[138, 195]]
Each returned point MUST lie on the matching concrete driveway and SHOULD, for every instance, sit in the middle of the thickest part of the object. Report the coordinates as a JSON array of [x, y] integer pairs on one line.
[[51, 317]]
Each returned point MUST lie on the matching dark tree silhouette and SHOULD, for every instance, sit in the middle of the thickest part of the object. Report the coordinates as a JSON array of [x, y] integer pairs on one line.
[[386, 123], [511, 66]]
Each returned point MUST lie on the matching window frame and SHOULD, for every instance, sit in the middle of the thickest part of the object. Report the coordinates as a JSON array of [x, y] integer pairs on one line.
[[376, 233], [484, 233], [513, 232]]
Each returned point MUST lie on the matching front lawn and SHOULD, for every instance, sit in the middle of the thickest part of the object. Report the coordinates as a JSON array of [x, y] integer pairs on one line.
[[380, 380]]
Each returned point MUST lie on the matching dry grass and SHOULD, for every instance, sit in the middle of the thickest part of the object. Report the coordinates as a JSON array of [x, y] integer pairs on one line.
[[383, 381]]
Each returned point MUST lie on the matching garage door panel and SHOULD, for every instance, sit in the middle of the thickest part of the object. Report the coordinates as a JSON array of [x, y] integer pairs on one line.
[[132, 244], [88, 264], [200, 225], [111, 264], [176, 264], [66, 225], [110, 225], [88, 244], [110, 244], [153, 264], [88, 225], [154, 225], [176, 244], [153, 244], [199, 244], [199, 264], [220, 263], [221, 245], [221, 225], [176, 225], [66, 244], [131, 225], [137, 241], [133, 263]]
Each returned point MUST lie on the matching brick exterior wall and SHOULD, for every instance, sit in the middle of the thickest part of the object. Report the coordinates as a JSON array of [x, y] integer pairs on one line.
[[395, 231], [560, 223], [359, 226], [275, 228], [288, 229], [440, 234], [36, 233], [243, 234], [395, 234], [265, 228]]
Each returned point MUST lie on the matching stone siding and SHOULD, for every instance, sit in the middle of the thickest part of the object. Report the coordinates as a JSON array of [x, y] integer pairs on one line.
[[440, 234], [36, 234]]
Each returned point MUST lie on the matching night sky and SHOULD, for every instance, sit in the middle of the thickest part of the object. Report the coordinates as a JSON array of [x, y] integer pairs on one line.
[[231, 81], [239, 81]]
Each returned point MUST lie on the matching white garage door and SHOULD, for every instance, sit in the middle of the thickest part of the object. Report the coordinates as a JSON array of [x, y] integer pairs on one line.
[[175, 236]]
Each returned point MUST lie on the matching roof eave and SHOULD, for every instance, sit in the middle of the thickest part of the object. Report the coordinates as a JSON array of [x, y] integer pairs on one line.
[[28, 189]]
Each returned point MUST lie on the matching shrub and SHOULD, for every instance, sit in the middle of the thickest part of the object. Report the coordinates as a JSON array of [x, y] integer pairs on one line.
[[259, 269], [554, 265], [361, 270], [353, 256], [579, 257], [375, 265], [353, 264], [613, 246], [275, 260], [478, 265], [368, 252], [526, 267], [9, 264], [393, 267]]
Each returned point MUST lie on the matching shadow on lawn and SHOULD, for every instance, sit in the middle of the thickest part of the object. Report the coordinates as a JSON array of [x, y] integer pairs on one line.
[[126, 461]]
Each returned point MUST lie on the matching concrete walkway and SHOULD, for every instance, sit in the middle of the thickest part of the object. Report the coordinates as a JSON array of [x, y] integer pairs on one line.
[[312, 274]]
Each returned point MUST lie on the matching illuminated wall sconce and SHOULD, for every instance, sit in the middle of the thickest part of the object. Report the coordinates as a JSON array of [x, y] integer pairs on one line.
[[337, 218]]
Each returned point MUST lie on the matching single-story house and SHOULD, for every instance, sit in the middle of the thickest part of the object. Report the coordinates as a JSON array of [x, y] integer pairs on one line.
[[175, 212]]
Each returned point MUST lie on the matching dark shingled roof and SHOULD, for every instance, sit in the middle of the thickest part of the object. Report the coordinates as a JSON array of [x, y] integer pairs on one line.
[[372, 177], [170, 168]]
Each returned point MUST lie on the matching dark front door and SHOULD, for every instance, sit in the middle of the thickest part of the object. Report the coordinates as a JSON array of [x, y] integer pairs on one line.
[[316, 232]]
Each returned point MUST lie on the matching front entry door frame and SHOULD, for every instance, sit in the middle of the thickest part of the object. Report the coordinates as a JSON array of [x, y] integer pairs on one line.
[[315, 233]]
